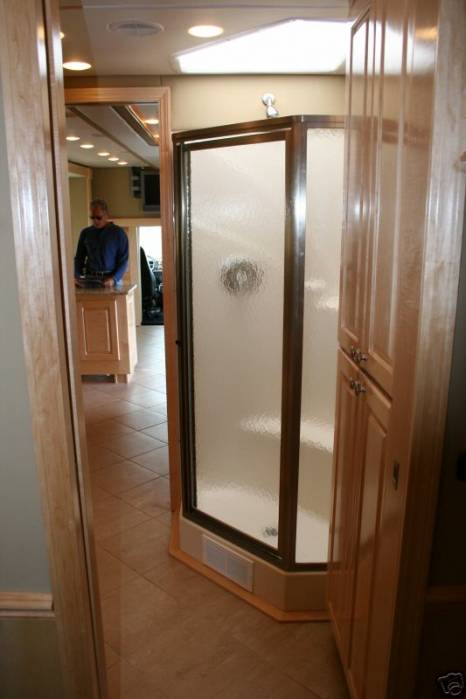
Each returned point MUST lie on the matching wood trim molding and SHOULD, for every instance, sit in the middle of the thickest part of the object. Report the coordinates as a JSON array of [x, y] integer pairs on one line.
[[34, 44], [80, 170], [26, 604], [424, 379]]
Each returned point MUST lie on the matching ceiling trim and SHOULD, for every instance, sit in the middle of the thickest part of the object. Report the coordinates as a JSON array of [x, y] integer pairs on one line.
[[124, 146], [128, 114]]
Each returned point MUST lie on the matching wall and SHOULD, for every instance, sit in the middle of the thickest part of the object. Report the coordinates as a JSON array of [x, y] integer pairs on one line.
[[199, 101], [79, 203], [113, 185], [23, 555]]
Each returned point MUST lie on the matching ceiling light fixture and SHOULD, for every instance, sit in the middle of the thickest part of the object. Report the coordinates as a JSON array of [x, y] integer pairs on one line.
[[113, 159], [62, 35], [103, 153], [87, 146], [135, 27], [76, 65], [151, 122], [72, 138], [122, 162], [294, 46], [205, 31]]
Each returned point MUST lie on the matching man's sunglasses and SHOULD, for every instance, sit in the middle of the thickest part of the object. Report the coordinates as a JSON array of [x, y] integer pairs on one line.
[[96, 218]]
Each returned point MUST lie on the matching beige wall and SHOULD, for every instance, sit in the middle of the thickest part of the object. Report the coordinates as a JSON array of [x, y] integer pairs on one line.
[[199, 101], [79, 205], [113, 185], [29, 661]]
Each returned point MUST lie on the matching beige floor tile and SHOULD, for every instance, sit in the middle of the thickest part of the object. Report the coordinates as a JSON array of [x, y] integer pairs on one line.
[[159, 432], [118, 478], [130, 445], [156, 460], [109, 410], [99, 456], [135, 614], [110, 656], [152, 498], [112, 573], [112, 516], [141, 547], [165, 518], [142, 419], [147, 397], [126, 682], [105, 428]]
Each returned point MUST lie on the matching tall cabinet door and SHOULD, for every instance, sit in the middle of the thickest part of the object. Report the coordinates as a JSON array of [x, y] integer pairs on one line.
[[373, 422], [345, 490], [353, 270], [386, 143]]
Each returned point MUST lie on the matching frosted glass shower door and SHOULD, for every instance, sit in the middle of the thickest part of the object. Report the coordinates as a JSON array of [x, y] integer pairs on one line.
[[236, 214], [324, 189]]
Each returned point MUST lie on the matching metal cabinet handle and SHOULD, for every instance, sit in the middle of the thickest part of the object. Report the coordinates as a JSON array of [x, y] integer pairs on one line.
[[357, 355], [357, 387]]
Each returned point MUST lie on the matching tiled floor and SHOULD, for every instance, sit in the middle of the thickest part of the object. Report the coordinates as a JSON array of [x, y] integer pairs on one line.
[[170, 633]]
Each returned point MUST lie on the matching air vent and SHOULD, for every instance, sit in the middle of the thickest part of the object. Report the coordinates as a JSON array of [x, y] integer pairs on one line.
[[227, 562], [135, 27]]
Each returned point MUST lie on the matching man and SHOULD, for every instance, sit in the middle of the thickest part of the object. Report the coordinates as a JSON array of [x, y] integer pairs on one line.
[[102, 252]]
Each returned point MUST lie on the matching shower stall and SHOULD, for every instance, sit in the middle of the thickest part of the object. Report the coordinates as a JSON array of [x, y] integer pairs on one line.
[[258, 219]]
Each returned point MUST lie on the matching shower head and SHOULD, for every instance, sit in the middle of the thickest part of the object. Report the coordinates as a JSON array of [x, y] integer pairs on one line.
[[268, 100]]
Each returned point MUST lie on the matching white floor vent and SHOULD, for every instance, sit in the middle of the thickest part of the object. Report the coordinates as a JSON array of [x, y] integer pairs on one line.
[[227, 562]]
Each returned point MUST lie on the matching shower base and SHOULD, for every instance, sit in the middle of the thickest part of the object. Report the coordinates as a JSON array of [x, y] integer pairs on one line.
[[285, 596]]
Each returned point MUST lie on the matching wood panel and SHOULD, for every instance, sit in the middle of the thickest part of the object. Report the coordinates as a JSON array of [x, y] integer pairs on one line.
[[353, 265], [28, 127], [344, 510], [26, 604], [431, 232], [98, 330], [387, 140], [372, 427]]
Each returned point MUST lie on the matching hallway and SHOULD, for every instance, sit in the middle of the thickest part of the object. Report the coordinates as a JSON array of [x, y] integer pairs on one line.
[[169, 632]]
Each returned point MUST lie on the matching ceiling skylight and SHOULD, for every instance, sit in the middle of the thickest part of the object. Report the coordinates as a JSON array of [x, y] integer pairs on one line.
[[295, 46]]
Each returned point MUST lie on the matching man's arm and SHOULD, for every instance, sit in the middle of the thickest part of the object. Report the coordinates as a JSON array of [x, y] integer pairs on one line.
[[80, 257], [122, 258]]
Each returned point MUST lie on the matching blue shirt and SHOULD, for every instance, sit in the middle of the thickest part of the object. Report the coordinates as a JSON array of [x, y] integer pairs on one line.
[[102, 250]]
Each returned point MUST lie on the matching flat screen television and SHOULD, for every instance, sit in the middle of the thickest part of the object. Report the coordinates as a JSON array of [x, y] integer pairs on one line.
[[150, 181]]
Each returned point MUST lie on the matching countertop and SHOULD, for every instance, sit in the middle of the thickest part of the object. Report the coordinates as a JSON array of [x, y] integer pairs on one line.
[[122, 290]]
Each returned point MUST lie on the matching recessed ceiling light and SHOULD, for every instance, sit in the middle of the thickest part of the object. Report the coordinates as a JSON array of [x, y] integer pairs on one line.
[[76, 65], [122, 162], [72, 138], [113, 159], [103, 153], [87, 146], [151, 122], [294, 46], [62, 36], [205, 31]]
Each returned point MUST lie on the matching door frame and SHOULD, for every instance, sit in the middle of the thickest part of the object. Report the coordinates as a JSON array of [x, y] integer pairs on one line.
[[83, 658]]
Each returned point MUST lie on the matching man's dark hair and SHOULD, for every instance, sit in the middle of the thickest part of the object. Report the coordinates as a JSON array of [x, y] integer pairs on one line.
[[99, 203]]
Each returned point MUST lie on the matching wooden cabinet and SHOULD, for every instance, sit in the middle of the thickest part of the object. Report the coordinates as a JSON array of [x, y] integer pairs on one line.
[[370, 260], [361, 476], [367, 509], [107, 331]]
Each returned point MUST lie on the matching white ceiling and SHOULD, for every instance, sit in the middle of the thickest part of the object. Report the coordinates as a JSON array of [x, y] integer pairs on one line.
[[87, 38], [108, 132]]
